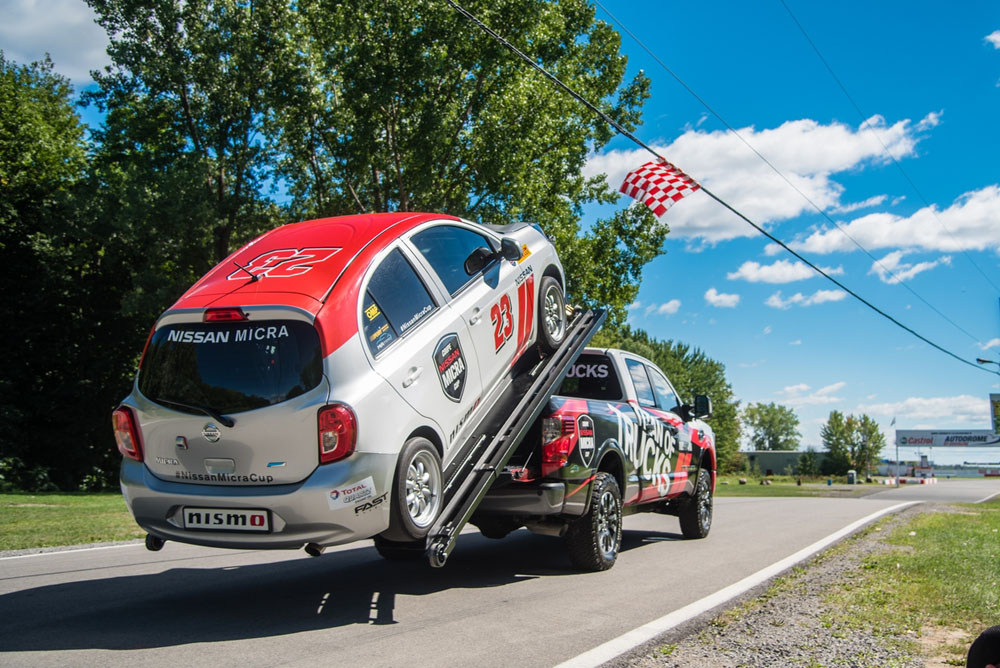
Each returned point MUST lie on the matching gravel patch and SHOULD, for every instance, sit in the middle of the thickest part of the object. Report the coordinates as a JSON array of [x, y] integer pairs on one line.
[[785, 626]]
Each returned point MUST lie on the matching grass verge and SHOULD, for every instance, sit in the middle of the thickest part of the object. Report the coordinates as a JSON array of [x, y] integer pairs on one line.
[[728, 485], [47, 520]]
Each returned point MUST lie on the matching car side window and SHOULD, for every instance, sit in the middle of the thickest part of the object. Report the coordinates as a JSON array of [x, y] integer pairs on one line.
[[396, 300], [640, 381], [666, 398], [446, 247]]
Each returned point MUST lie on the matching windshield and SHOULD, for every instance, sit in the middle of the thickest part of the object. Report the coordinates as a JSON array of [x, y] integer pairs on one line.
[[230, 367]]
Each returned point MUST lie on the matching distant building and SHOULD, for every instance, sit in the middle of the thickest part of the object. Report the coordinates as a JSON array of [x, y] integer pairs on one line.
[[779, 462]]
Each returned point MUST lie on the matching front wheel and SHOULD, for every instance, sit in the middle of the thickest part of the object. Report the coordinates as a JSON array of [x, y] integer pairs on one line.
[[551, 315], [416, 491], [696, 514], [593, 540]]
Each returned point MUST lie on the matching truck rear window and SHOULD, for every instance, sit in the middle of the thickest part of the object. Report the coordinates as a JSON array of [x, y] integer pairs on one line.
[[231, 367], [592, 376]]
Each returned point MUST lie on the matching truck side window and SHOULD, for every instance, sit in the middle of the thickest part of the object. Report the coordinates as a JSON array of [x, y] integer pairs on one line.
[[395, 302], [666, 398], [445, 248], [643, 390]]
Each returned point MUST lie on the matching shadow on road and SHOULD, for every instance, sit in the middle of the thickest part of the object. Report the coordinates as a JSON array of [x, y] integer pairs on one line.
[[193, 605]]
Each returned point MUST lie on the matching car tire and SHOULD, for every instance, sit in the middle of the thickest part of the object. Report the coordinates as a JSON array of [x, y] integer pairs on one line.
[[593, 540], [395, 550], [416, 491], [551, 315], [696, 513]]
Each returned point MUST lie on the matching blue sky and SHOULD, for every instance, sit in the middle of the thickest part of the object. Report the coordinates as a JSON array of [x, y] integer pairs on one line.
[[927, 80]]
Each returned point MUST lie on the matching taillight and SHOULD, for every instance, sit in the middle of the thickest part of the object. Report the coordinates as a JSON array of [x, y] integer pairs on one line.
[[338, 432], [557, 442], [225, 315], [127, 433]]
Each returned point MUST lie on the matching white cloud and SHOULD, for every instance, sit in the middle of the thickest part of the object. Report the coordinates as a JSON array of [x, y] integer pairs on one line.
[[800, 395], [992, 343], [634, 305], [934, 412], [668, 308], [721, 299], [892, 270], [798, 299], [796, 342], [994, 39], [781, 271], [767, 330], [63, 28], [865, 204], [970, 223], [807, 152]]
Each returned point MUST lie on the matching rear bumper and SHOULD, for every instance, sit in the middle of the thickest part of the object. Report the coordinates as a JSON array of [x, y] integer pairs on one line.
[[525, 499], [312, 511]]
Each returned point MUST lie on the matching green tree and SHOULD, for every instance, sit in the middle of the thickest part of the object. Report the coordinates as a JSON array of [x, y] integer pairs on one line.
[[851, 442], [692, 372], [807, 464], [771, 426]]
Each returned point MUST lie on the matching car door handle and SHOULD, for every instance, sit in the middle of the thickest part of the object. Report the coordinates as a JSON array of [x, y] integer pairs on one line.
[[477, 315], [414, 374]]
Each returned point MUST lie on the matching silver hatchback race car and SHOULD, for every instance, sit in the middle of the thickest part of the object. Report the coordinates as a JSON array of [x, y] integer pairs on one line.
[[309, 388]]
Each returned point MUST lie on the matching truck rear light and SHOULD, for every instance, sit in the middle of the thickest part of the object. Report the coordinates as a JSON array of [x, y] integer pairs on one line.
[[225, 315], [338, 432], [557, 442], [127, 433]]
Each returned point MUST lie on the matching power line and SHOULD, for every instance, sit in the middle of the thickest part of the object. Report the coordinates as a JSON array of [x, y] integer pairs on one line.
[[623, 131], [864, 122], [777, 171]]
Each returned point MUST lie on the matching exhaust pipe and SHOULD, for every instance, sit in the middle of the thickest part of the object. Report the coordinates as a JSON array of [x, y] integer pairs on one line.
[[314, 550], [154, 543]]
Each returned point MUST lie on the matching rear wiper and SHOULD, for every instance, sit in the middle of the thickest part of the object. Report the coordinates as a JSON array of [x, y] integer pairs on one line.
[[212, 413]]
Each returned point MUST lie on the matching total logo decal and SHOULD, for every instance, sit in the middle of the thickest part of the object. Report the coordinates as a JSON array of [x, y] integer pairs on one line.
[[349, 495], [642, 446], [283, 263]]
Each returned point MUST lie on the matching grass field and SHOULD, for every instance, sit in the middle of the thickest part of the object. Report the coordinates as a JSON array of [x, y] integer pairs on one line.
[[44, 520], [728, 485]]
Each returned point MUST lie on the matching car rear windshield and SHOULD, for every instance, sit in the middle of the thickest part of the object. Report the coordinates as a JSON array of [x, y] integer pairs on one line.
[[592, 376], [230, 367]]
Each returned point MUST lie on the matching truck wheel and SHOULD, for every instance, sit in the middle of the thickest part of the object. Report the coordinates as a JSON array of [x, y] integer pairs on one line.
[[416, 491], [594, 539], [394, 550], [696, 513], [551, 315]]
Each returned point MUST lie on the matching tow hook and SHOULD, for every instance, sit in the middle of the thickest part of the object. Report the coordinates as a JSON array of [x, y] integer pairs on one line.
[[314, 550], [154, 543]]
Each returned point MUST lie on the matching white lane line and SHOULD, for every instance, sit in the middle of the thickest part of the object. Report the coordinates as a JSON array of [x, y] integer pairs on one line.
[[646, 632], [49, 553], [987, 498]]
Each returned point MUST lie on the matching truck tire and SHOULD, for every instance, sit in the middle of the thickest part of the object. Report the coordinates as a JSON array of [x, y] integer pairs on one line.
[[394, 550], [416, 491], [551, 315], [593, 540], [696, 513]]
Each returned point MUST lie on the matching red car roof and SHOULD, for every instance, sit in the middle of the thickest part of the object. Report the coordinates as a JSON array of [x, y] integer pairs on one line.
[[299, 264]]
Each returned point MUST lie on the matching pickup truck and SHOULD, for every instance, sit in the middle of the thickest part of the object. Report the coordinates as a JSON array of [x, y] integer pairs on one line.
[[615, 440]]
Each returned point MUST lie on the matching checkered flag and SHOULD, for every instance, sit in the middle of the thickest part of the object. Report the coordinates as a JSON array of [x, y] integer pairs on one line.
[[658, 185]]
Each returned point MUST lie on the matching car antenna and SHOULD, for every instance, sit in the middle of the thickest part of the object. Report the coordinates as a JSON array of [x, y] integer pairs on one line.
[[253, 276]]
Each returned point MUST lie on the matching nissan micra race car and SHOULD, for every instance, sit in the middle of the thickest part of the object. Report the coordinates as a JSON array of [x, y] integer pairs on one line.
[[308, 389]]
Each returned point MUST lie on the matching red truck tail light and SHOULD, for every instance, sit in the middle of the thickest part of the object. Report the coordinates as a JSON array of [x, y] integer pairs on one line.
[[338, 432], [557, 442], [127, 433]]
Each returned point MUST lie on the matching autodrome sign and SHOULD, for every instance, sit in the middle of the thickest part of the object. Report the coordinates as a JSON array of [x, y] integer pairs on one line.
[[947, 438]]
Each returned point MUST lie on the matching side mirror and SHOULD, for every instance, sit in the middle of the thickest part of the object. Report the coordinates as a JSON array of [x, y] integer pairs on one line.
[[477, 260], [702, 406], [510, 250]]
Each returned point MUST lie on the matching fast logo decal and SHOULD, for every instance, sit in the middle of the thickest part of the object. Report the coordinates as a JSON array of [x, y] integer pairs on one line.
[[370, 505], [450, 364], [648, 447], [284, 263]]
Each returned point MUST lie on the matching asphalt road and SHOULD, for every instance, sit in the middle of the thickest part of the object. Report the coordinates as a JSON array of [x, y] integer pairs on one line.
[[496, 603]]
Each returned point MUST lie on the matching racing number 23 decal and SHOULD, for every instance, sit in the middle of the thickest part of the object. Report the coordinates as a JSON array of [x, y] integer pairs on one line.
[[503, 321], [283, 263], [502, 315]]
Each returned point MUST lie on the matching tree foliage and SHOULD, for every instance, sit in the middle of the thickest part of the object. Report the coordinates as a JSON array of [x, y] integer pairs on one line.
[[692, 372], [851, 442], [771, 426]]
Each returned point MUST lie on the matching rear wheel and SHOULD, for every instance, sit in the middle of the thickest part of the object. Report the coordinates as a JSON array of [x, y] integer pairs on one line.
[[416, 492], [593, 540], [551, 315], [696, 513]]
